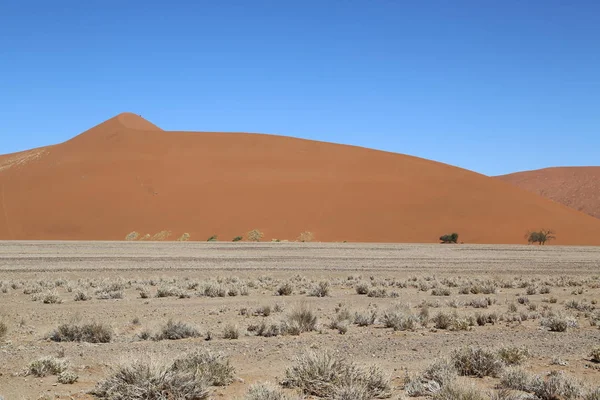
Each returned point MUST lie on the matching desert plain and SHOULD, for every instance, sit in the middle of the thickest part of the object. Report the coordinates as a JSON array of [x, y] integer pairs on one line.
[[418, 304]]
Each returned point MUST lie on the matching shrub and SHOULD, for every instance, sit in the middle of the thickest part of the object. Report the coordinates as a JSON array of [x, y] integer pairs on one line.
[[175, 331], [557, 323], [540, 237], [437, 375], [459, 392], [91, 333], [80, 295], [51, 298], [320, 290], [213, 238], [352, 391], [515, 379], [255, 235], [143, 381], [595, 354], [67, 378], [450, 238], [301, 320], [184, 238], [213, 367], [286, 289], [400, 318], [362, 288], [557, 385], [592, 394], [237, 239], [46, 366], [365, 319], [324, 375], [231, 332], [476, 361], [264, 391], [377, 293], [3, 329], [513, 355], [440, 292], [306, 237]]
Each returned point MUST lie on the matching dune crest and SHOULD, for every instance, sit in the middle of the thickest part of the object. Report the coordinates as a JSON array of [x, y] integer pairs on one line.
[[127, 175]]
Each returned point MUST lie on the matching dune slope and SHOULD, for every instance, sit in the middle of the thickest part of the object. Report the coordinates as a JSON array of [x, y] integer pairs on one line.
[[575, 187], [128, 175]]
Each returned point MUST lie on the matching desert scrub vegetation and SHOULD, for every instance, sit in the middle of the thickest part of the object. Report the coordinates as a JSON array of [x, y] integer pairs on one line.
[[449, 238], [514, 355], [67, 378], [594, 354], [254, 235], [46, 366], [186, 378], [176, 330], [321, 289], [266, 391], [326, 375], [541, 237], [439, 374], [3, 329], [231, 332], [94, 332], [477, 361], [558, 323], [300, 320], [400, 318], [362, 288], [285, 289]]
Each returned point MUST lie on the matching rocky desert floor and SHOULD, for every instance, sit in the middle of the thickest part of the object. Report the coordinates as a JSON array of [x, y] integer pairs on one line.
[[532, 309]]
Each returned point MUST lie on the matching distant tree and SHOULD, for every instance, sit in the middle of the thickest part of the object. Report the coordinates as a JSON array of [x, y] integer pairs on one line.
[[540, 237], [451, 238]]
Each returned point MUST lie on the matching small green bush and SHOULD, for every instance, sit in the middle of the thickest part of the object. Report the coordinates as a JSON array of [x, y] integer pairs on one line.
[[450, 238], [237, 239], [213, 238]]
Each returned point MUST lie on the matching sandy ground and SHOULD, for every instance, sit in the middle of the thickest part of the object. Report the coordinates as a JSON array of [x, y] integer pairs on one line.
[[406, 272]]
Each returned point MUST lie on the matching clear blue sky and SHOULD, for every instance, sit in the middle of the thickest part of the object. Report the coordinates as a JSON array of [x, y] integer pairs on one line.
[[495, 86]]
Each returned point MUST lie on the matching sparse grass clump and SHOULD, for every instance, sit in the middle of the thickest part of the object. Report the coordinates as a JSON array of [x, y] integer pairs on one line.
[[46, 366], [91, 333], [595, 354], [80, 295], [231, 332], [3, 329], [459, 392], [320, 290], [476, 361], [441, 292], [67, 378], [558, 323], [175, 331], [265, 391], [213, 367], [555, 386], [365, 319], [513, 355], [142, 380], [285, 289], [300, 320], [326, 375], [515, 379], [255, 235], [51, 298], [400, 319], [362, 288]]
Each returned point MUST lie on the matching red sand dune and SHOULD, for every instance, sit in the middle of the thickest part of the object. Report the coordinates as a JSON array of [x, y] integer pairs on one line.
[[128, 175], [575, 187]]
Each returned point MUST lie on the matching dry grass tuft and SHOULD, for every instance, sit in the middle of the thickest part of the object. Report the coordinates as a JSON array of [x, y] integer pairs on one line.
[[91, 333], [67, 378], [175, 331], [46, 366], [476, 361], [265, 391], [326, 375]]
